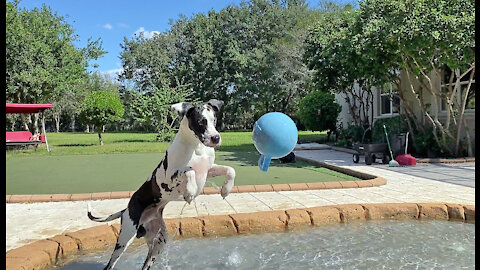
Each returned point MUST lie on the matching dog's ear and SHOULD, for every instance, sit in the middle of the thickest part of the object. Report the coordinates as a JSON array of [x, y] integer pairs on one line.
[[182, 108], [216, 104]]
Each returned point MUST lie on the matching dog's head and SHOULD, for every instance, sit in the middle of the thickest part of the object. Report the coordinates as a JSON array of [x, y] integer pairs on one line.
[[200, 120]]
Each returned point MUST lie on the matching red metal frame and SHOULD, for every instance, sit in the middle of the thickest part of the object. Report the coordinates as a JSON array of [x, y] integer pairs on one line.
[[26, 108]]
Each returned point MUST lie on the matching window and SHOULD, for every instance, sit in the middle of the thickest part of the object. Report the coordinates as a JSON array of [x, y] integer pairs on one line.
[[389, 100], [463, 87]]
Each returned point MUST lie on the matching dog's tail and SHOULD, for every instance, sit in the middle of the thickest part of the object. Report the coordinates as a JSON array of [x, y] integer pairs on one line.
[[103, 219]]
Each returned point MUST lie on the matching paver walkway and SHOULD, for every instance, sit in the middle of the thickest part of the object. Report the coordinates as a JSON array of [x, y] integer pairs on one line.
[[454, 173], [29, 222]]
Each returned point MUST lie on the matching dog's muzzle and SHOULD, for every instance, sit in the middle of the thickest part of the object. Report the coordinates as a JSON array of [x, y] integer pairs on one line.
[[215, 141]]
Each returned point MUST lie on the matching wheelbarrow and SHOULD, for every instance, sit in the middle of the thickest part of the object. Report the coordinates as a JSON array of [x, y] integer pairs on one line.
[[371, 151]]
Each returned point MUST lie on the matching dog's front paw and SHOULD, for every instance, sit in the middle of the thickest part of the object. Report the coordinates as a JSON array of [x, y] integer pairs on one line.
[[190, 192], [226, 190], [188, 198]]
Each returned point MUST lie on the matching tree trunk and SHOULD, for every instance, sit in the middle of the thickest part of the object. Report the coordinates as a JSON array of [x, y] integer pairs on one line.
[[56, 116], [24, 122], [13, 125], [35, 124], [88, 129], [73, 123], [461, 121], [100, 138]]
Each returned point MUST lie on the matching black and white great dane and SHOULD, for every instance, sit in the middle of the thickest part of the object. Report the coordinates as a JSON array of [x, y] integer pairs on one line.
[[181, 175]]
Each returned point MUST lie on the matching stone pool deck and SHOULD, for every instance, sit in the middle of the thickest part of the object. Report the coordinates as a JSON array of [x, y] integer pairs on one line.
[[29, 222]]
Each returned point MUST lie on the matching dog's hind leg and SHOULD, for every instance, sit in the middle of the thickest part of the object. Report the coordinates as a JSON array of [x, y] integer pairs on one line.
[[156, 235], [125, 237]]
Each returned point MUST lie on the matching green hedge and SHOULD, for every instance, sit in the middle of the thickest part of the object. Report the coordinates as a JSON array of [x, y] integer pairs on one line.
[[396, 124]]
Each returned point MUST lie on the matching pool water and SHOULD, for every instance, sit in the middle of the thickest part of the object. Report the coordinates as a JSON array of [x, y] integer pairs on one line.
[[362, 245]]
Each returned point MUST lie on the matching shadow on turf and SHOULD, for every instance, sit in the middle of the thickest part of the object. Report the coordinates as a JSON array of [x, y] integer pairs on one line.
[[75, 144], [133, 140], [246, 155]]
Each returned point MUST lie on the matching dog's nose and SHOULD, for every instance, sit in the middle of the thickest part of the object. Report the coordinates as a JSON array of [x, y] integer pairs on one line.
[[215, 139]]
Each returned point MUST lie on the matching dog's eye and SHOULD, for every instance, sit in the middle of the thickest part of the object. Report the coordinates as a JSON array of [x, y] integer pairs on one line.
[[204, 121]]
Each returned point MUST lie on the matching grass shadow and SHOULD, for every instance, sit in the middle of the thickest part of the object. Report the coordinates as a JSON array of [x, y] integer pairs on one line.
[[74, 144], [133, 140], [250, 158]]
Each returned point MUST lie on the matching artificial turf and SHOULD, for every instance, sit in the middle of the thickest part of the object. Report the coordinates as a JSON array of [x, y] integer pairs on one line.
[[126, 172], [77, 164]]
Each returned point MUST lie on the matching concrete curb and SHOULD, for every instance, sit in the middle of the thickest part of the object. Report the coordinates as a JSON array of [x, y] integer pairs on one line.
[[368, 181], [343, 149], [49, 252]]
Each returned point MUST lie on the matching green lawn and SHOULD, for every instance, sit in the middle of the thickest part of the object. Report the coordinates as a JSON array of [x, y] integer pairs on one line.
[[127, 159], [66, 143]]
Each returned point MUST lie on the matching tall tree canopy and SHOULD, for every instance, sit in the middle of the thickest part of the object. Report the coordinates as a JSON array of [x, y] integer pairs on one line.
[[384, 39], [249, 56], [42, 61]]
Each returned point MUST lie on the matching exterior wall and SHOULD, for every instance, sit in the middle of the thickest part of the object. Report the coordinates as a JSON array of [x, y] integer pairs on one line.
[[345, 117]]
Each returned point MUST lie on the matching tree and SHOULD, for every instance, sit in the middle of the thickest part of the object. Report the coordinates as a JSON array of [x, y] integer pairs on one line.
[[428, 38], [248, 56], [41, 59], [319, 111], [343, 63], [100, 108]]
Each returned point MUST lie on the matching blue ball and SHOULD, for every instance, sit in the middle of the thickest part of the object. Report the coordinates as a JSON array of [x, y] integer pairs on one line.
[[275, 135]]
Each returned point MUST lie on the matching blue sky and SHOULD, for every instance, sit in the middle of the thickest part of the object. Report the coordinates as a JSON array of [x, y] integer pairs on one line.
[[112, 20]]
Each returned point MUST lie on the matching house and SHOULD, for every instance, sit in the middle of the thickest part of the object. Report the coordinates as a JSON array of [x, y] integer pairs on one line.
[[386, 102]]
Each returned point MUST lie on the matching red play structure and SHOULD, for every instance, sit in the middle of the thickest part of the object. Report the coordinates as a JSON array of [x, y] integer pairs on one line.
[[25, 137]]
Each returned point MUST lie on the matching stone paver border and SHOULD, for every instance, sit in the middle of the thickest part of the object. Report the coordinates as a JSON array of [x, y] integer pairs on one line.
[[368, 181], [445, 160], [48, 252]]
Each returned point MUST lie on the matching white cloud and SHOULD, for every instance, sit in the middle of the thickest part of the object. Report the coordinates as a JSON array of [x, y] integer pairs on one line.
[[108, 26], [113, 73], [146, 34]]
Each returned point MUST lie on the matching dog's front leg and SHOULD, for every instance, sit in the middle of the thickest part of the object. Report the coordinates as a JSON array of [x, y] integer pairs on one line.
[[186, 179], [229, 173]]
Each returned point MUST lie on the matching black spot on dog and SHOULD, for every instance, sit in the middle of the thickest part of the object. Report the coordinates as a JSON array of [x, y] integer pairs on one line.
[[165, 187], [141, 232], [165, 162], [146, 195], [197, 122], [174, 175]]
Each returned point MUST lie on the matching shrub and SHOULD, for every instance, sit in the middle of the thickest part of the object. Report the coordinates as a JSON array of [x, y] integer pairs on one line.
[[349, 135], [395, 125], [426, 146], [319, 111]]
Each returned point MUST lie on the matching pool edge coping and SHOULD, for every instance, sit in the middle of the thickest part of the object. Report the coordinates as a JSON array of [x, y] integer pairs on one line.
[[367, 180], [52, 250]]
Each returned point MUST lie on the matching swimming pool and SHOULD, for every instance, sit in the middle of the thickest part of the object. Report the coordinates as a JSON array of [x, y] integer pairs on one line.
[[360, 245]]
